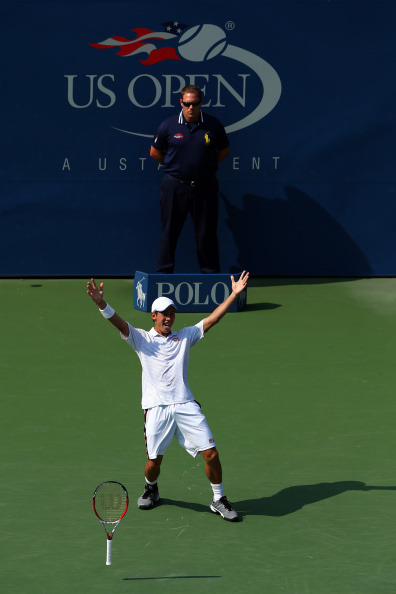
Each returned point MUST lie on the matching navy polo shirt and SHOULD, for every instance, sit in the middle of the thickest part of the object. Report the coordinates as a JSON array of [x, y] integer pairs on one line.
[[190, 149]]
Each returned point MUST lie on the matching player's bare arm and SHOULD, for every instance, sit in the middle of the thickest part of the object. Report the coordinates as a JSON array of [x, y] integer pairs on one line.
[[96, 294], [221, 310], [157, 155]]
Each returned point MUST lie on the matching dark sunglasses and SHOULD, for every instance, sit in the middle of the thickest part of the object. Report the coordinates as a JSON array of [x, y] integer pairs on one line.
[[193, 103]]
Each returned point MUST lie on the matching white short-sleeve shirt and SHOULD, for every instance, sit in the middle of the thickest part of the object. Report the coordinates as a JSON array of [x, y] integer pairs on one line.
[[164, 361]]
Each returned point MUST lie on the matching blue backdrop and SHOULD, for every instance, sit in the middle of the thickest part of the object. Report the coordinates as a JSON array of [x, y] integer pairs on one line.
[[305, 90]]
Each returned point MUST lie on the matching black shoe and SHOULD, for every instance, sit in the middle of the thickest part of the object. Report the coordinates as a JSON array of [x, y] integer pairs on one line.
[[149, 498]]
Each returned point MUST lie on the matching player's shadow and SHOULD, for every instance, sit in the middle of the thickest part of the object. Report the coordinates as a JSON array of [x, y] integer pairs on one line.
[[297, 237], [287, 501], [198, 507]]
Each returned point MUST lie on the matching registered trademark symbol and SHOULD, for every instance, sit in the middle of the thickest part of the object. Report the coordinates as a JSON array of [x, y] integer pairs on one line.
[[230, 25]]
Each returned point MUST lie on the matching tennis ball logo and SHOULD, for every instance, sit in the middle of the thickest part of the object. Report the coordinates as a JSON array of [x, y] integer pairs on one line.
[[202, 42]]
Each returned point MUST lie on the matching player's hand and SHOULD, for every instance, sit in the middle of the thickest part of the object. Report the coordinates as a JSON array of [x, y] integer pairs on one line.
[[95, 293], [237, 287]]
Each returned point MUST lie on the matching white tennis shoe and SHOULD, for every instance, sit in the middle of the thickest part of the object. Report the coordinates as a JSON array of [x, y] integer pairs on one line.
[[224, 508]]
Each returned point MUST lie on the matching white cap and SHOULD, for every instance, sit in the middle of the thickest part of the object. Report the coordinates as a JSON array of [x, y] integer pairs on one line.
[[161, 304]]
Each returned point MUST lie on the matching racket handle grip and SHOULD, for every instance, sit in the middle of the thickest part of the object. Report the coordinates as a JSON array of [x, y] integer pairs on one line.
[[109, 550]]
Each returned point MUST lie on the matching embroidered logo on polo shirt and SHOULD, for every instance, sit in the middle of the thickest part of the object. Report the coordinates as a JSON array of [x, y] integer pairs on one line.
[[176, 339], [207, 139], [178, 136]]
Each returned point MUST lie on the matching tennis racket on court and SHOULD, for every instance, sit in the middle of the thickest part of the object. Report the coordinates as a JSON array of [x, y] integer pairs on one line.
[[110, 503]]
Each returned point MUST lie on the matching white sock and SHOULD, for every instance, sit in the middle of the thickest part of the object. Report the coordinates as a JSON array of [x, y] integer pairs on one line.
[[217, 491], [148, 482]]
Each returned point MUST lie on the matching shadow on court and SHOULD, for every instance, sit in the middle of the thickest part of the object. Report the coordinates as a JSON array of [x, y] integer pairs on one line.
[[292, 499], [288, 500], [173, 577], [261, 306]]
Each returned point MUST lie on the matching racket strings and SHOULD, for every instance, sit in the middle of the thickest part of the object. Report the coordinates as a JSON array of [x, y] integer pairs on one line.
[[110, 502]]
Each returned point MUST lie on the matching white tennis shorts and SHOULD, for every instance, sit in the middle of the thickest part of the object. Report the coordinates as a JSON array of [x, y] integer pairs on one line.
[[184, 421]]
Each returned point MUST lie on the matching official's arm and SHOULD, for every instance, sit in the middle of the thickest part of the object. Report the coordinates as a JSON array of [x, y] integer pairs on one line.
[[221, 155], [157, 155]]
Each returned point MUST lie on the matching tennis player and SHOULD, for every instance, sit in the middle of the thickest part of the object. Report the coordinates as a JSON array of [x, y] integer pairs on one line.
[[169, 405]]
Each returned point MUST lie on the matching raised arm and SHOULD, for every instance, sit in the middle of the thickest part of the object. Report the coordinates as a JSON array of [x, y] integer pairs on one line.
[[96, 295], [221, 310]]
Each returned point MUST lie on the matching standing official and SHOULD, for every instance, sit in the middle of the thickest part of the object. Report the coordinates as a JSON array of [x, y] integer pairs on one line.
[[190, 146]]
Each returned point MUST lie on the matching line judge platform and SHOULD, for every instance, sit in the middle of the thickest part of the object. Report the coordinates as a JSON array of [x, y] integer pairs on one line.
[[190, 292]]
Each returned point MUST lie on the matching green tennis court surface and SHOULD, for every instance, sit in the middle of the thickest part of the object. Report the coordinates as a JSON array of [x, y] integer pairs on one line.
[[299, 392]]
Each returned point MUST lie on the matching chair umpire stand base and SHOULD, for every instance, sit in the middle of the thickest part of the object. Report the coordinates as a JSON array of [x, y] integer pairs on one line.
[[189, 292]]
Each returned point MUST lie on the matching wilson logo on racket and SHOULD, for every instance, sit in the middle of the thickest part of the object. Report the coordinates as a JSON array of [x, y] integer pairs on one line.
[[110, 503]]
